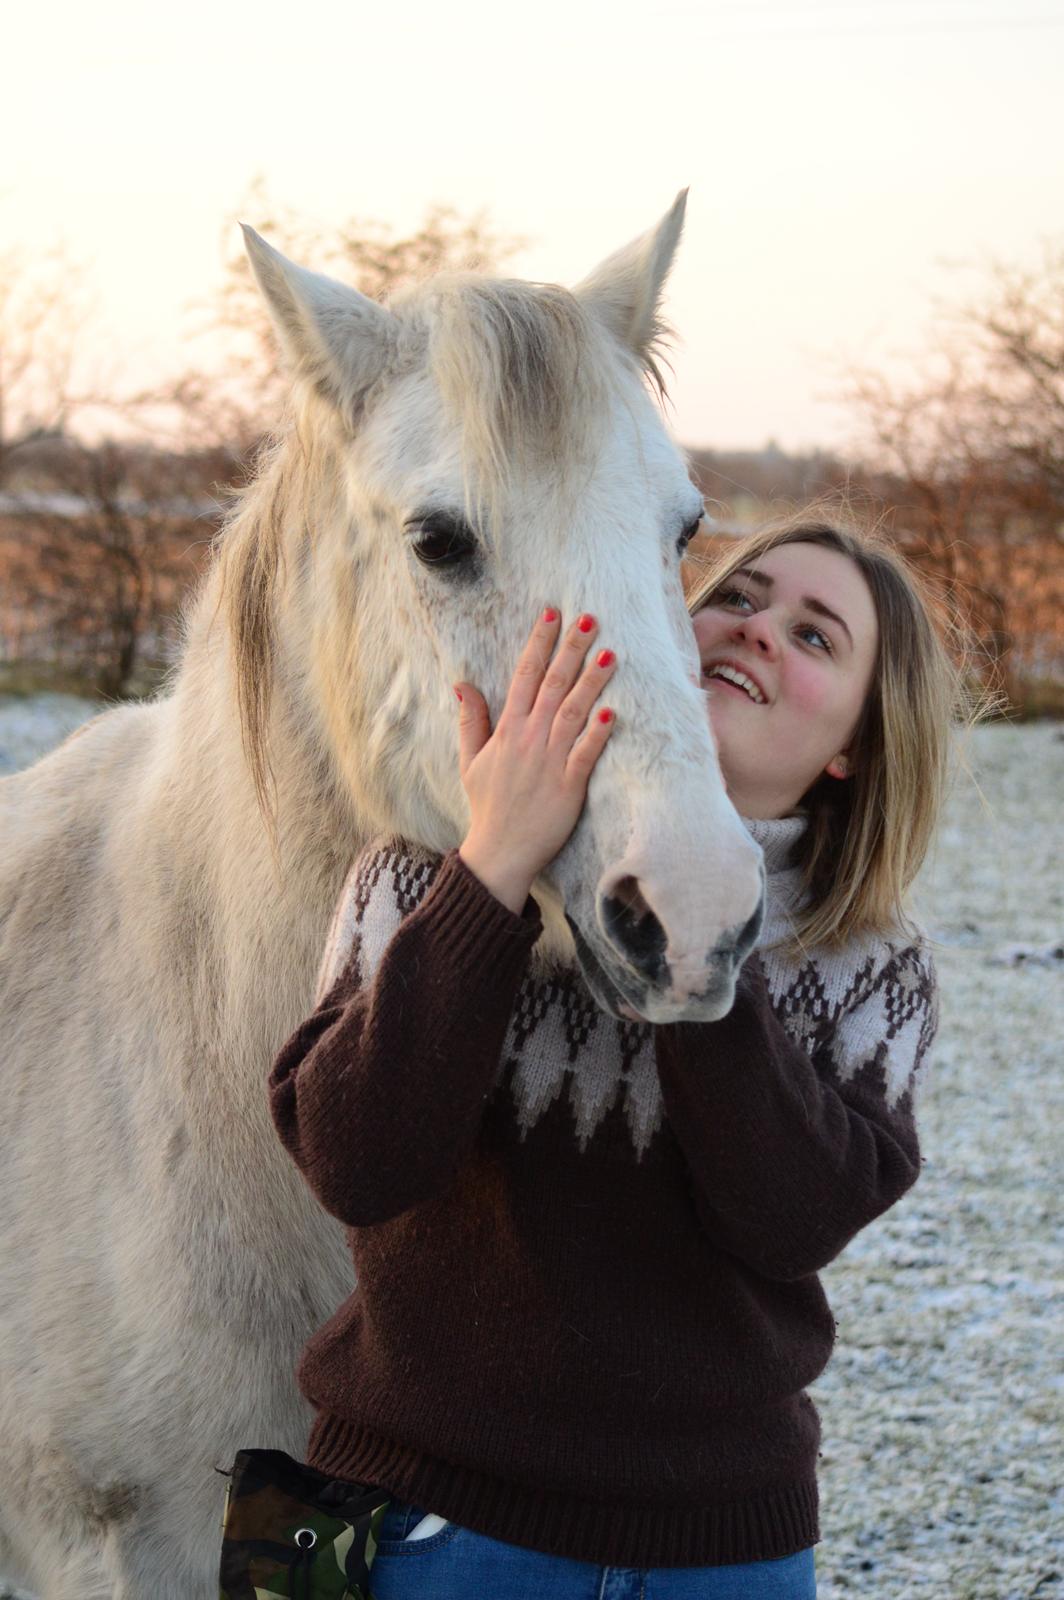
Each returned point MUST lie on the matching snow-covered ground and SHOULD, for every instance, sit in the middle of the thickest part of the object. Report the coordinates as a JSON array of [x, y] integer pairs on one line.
[[943, 1406], [31, 726]]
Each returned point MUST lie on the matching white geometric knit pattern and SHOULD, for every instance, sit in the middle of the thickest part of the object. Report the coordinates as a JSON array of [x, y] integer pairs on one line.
[[872, 1006]]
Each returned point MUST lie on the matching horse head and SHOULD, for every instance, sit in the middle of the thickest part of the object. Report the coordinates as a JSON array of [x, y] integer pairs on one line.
[[473, 451]]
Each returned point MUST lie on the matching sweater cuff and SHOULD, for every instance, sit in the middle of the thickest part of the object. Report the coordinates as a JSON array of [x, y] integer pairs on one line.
[[475, 926]]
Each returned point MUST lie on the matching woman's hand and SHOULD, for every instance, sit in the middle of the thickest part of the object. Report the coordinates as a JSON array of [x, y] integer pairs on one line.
[[527, 781]]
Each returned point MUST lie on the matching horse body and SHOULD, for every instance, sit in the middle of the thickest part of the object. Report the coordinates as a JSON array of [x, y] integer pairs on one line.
[[168, 876], [148, 1308]]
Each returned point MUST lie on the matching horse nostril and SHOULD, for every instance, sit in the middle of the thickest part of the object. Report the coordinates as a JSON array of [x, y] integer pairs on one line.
[[633, 927], [750, 930]]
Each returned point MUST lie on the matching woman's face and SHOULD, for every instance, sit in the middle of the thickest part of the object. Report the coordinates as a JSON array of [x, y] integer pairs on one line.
[[800, 626]]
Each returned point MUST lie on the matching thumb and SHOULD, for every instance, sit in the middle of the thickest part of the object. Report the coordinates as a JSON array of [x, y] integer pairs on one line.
[[474, 724]]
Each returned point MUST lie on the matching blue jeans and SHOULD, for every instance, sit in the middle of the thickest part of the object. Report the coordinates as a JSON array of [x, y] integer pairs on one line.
[[457, 1564]]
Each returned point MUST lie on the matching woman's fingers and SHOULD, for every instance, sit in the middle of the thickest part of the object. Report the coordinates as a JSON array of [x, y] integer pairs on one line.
[[527, 782], [563, 672], [532, 663], [587, 750], [552, 694], [474, 724], [571, 717]]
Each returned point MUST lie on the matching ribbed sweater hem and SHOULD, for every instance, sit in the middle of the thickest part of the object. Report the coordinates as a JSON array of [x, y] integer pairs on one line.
[[763, 1527]]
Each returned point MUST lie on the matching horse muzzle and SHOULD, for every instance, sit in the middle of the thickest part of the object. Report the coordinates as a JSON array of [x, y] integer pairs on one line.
[[628, 966]]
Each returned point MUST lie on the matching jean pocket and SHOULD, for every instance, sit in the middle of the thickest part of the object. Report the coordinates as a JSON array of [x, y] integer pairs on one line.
[[400, 1520]]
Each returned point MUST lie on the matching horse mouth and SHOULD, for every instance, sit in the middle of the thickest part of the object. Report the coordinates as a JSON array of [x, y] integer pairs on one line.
[[609, 991], [615, 988]]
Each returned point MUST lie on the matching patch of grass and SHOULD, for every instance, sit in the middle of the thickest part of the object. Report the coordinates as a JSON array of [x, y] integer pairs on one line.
[[1039, 697], [58, 677], [43, 677]]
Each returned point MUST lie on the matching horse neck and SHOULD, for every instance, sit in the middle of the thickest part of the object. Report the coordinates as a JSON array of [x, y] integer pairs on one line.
[[265, 911]]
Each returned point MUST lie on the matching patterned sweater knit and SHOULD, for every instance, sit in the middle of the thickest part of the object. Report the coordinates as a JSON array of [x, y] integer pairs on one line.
[[587, 1250]]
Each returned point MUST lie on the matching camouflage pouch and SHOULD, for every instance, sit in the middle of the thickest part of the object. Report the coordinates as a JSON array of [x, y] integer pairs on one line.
[[290, 1530]]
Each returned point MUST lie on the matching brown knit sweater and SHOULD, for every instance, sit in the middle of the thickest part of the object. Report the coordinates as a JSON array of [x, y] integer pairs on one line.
[[586, 1250]]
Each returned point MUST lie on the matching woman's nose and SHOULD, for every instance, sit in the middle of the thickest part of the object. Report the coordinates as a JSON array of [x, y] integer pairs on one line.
[[759, 632]]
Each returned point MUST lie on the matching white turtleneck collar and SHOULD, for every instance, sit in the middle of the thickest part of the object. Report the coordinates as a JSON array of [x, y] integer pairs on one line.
[[777, 837]]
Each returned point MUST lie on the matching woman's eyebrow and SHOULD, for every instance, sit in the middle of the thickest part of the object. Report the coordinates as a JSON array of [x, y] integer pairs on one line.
[[808, 601]]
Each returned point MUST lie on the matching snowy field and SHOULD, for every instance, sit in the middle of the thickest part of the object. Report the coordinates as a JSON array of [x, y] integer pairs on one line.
[[943, 1406], [31, 726]]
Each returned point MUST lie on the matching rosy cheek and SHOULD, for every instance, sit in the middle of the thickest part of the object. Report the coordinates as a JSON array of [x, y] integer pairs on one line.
[[806, 689]]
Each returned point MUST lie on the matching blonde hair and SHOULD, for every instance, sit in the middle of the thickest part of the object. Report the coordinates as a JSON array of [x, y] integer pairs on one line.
[[867, 837]]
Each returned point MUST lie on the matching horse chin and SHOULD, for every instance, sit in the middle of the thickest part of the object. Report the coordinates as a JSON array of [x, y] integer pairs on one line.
[[612, 994], [622, 994]]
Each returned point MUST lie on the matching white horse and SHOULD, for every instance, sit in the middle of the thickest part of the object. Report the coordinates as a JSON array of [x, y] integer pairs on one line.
[[455, 461]]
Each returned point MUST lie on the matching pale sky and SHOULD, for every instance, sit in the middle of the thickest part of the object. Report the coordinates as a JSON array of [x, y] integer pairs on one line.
[[839, 156]]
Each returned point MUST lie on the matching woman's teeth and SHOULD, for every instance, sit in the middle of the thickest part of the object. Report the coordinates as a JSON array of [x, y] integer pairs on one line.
[[741, 681]]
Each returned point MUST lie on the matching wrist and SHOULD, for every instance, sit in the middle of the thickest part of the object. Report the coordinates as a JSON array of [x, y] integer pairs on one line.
[[507, 881]]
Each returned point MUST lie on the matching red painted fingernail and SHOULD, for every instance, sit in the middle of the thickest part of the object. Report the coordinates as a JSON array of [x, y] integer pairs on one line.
[[550, 615], [458, 692], [605, 658], [605, 715], [586, 623]]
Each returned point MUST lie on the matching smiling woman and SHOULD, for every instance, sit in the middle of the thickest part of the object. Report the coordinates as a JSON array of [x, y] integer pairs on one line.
[[657, 1196], [831, 697], [788, 674]]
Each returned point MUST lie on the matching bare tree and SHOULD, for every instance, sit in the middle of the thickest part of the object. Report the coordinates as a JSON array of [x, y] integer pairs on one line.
[[239, 406], [41, 312], [972, 455], [99, 540], [96, 558], [1019, 334]]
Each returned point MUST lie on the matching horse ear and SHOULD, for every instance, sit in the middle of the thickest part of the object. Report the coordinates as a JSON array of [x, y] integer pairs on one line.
[[625, 290], [334, 337]]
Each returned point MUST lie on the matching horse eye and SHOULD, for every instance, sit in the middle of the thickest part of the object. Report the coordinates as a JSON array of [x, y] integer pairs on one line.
[[689, 533], [443, 540]]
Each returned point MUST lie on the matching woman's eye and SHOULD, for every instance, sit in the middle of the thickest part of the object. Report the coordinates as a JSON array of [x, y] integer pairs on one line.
[[825, 642], [443, 541], [730, 597]]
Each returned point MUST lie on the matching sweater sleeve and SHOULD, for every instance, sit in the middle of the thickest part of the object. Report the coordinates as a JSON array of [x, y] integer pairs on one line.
[[798, 1131], [379, 1094]]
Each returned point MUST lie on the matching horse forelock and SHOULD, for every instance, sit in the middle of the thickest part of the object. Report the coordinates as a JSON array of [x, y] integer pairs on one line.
[[525, 371]]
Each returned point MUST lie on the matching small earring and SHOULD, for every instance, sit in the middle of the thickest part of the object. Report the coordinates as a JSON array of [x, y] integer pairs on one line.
[[839, 768]]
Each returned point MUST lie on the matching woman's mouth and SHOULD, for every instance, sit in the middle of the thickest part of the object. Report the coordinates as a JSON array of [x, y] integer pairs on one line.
[[722, 685], [722, 673]]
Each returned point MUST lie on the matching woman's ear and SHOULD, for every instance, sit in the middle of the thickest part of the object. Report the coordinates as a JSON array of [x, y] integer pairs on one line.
[[839, 766]]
